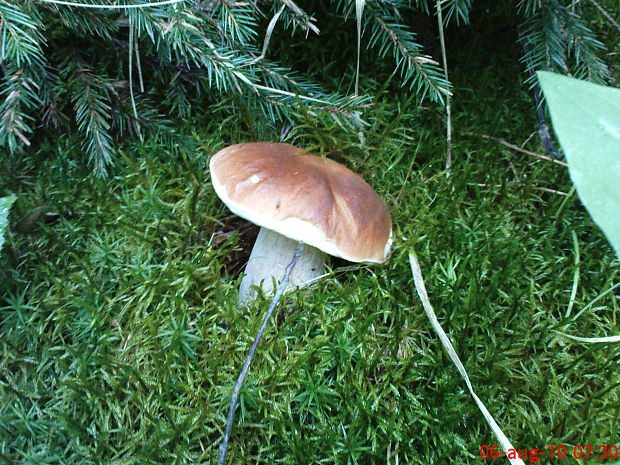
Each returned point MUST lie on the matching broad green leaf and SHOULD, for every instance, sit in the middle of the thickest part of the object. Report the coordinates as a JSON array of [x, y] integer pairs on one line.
[[5, 206], [586, 119]]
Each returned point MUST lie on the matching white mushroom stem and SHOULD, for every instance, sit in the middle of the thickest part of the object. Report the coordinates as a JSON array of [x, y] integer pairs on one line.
[[271, 254]]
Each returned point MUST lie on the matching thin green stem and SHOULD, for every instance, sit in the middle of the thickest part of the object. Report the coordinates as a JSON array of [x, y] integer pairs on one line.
[[445, 70]]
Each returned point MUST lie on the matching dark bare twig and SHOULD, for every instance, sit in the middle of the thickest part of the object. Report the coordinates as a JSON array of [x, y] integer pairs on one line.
[[248, 360], [543, 127], [536, 188]]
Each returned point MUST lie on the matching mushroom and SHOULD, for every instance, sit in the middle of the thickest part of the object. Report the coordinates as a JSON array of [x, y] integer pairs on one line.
[[296, 196]]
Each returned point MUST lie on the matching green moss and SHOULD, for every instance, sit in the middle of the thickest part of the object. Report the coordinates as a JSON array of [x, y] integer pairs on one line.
[[121, 339]]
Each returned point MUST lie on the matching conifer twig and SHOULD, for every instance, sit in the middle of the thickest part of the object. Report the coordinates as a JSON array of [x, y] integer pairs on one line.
[[536, 188], [543, 127], [519, 149], [604, 13], [250, 356]]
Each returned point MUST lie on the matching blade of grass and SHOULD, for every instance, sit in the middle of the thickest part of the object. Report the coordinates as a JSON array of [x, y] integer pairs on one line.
[[268, 33], [5, 206], [568, 196], [596, 299], [590, 339], [120, 7], [573, 293], [359, 10], [421, 289]]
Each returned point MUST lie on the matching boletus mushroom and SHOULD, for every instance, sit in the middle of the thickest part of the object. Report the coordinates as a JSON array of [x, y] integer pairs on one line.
[[296, 196]]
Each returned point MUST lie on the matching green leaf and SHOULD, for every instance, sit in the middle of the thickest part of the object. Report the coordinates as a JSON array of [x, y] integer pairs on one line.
[[5, 206], [586, 119]]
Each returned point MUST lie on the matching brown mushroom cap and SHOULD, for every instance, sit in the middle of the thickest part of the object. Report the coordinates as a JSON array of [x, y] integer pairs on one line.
[[304, 197]]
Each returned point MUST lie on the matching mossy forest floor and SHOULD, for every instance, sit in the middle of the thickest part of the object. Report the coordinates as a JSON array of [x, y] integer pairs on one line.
[[120, 338]]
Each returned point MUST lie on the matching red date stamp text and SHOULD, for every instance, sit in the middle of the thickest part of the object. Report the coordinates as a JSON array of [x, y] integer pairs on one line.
[[586, 451]]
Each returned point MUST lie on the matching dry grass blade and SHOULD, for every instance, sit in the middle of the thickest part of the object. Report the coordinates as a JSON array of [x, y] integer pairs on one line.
[[117, 7], [591, 340], [421, 289], [359, 10], [270, 27], [448, 107]]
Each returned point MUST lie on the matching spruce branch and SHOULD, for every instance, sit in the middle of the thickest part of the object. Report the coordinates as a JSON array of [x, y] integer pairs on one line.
[[179, 39], [529, 7], [20, 36], [456, 9], [344, 110], [289, 92], [91, 101], [177, 94], [238, 22], [239, 73], [542, 34], [86, 21], [543, 127], [418, 70], [557, 39], [198, 48], [52, 92], [584, 49], [296, 17], [392, 37], [284, 78], [21, 96], [148, 122]]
